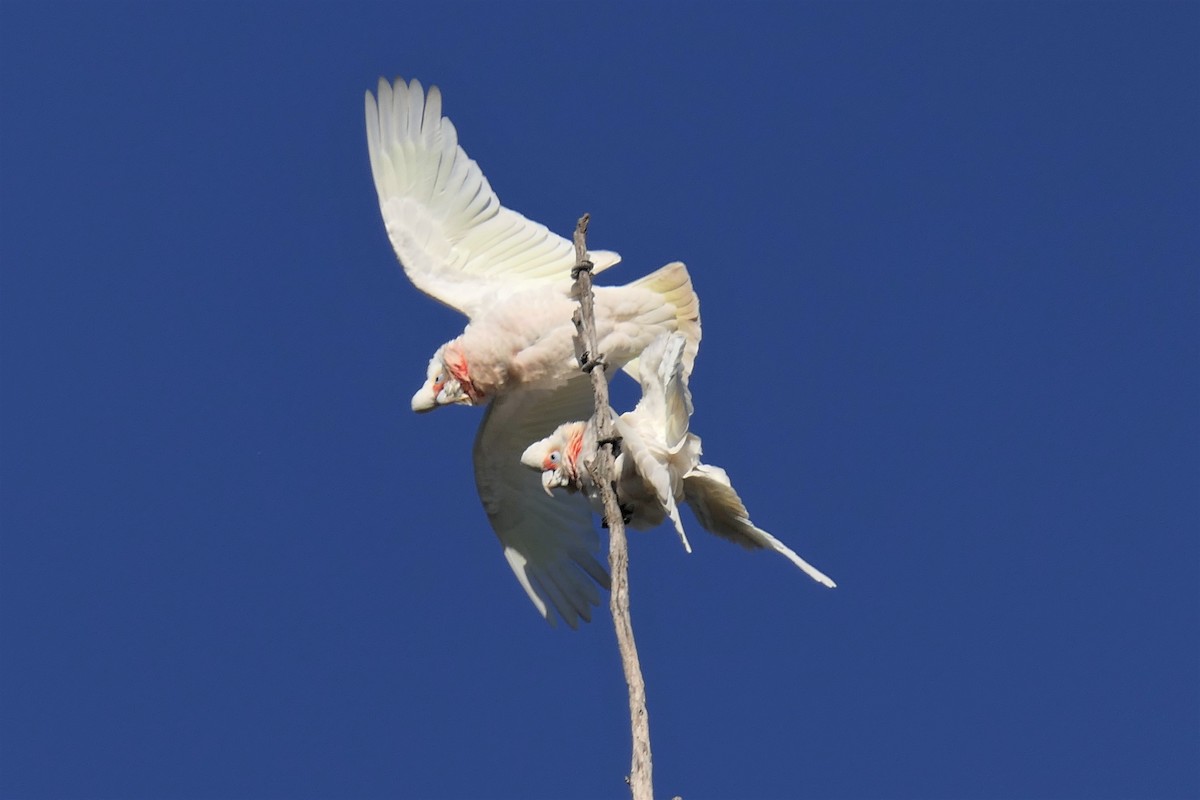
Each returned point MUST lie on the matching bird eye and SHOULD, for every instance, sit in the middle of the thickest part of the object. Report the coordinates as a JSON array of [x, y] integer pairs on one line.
[[551, 461], [554, 457]]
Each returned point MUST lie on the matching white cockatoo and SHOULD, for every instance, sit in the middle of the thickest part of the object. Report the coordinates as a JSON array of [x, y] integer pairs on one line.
[[659, 465], [512, 278], [526, 341]]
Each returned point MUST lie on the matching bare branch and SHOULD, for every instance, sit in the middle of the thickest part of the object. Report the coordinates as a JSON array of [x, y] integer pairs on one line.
[[603, 470]]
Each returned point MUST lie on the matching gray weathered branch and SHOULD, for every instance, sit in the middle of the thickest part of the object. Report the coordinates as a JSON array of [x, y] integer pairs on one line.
[[603, 470]]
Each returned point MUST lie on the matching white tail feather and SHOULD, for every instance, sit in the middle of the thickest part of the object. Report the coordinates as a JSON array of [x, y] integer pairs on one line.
[[720, 510], [674, 284]]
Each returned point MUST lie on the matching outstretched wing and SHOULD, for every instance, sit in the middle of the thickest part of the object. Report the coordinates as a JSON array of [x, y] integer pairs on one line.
[[550, 542], [456, 242]]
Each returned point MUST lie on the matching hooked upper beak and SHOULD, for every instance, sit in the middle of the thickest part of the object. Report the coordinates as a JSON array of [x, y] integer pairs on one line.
[[549, 481], [532, 457], [424, 400]]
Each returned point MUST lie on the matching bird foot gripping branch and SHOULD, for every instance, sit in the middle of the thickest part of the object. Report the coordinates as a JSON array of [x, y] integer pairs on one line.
[[626, 516], [615, 442], [587, 363], [626, 513], [582, 353]]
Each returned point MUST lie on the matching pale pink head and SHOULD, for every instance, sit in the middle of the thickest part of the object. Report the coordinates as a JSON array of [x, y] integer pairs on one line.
[[447, 382], [557, 457]]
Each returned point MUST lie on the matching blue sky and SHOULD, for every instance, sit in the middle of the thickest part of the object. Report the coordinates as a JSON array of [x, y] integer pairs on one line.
[[947, 258]]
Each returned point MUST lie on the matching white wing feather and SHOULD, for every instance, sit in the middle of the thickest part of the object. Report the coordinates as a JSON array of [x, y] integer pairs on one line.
[[664, 453], [666, 402], [717, 506], [454, 239], [549, 542], [649, 467]]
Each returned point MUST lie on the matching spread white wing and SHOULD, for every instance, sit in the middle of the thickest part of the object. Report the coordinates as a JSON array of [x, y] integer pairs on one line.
[[549, 542], [454, 239]]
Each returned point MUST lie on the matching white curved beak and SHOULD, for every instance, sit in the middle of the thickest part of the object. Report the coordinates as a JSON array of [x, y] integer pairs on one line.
[[424, 400], [549, 481], [532, 457]]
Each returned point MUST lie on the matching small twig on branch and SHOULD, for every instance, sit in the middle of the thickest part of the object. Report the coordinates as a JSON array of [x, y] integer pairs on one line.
[[603, 470]]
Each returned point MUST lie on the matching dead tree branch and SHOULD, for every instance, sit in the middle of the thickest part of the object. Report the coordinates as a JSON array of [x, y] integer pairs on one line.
[[603, 470]]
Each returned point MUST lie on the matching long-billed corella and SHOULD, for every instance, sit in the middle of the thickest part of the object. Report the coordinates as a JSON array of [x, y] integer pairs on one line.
[[659, 462], [512, 278]]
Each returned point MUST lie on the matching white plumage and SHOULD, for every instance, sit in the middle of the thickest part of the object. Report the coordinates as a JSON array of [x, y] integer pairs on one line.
[[454, 239], [525, 341], [512, 278], [659, 463]]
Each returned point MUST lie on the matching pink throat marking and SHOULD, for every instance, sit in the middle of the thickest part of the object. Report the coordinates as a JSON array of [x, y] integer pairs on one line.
[[574, 446], [456, 365]]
